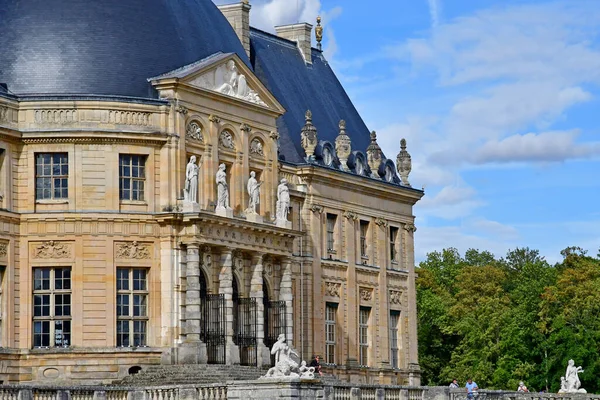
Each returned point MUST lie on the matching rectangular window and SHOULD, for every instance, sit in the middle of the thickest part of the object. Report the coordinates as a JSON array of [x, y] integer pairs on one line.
[[331, 220], [132, 177], [132, 307], [51, 307], [363, 333], [364, 230], [51, 176], [394, 351], [330, 311], [393, 244]]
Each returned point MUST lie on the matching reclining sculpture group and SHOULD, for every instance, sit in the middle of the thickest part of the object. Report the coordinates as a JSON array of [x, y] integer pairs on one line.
[[285, 365]]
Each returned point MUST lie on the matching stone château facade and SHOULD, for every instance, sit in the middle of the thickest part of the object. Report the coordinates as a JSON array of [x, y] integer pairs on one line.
[[107, 266]]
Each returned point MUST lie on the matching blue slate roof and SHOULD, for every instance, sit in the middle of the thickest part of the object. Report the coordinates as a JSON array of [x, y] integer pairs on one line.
[[105, 47], [299, 87]]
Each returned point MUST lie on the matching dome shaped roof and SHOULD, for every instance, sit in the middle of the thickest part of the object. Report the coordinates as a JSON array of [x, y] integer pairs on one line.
[[105, 47]]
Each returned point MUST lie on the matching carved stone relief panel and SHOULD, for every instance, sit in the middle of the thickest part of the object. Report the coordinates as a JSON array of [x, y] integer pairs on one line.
[[52, 250], [194, 131], [366, 294], [396, 297], [332, 289], [3, 250], [256, 147], [132, 251], [226, 140]]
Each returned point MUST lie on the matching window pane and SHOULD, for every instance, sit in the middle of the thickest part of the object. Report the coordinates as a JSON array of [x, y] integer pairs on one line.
[[123, 305], [123, 334], [139, 279], [139, 333], [139, 305], [41, 334], [122, 279], [62, 333]]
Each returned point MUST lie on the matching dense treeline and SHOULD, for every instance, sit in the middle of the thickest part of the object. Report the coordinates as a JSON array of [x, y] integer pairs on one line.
[[504, 320]]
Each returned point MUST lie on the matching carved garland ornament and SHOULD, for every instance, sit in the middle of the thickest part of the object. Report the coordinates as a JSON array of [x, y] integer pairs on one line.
[[132, 250], [3, 249], [52, 249], [395, 297], [268, 266], [317, 208], [366, 294], [194, 131], [381, 222], [332, 289], [410, 227], [351, 215]]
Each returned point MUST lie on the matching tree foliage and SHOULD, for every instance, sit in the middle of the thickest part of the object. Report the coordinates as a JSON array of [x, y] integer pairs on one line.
[[500, 321]]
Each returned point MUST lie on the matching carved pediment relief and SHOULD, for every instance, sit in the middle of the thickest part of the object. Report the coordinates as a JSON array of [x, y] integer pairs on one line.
[[229, 79]]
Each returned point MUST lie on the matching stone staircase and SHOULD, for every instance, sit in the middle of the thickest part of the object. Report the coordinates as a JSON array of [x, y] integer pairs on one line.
[[158, 375]]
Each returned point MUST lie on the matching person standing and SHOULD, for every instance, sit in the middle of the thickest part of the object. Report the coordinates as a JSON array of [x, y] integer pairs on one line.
[[471, 388], [454, 384]]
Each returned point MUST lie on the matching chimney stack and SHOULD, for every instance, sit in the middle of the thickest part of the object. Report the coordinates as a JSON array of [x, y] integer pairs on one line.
[[238, 15], [299, 33]]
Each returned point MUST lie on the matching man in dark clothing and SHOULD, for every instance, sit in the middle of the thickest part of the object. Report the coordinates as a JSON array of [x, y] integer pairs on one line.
[[315, 363]]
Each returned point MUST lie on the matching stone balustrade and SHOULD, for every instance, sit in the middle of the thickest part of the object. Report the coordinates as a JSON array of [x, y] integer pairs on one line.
[[268, 389]]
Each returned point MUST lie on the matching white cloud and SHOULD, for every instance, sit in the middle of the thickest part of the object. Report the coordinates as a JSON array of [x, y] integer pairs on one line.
[[434, 12]]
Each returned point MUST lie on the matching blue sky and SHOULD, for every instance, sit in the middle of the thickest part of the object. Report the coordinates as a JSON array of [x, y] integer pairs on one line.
[[499, 103]]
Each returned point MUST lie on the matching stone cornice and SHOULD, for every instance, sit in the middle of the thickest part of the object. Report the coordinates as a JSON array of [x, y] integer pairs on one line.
[[95, 136], [372, 187]]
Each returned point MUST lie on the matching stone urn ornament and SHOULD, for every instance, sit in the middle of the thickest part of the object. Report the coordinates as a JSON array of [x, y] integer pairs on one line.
[[403, 163]]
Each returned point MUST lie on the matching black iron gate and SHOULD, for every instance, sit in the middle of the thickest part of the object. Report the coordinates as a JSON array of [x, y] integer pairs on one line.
[[214, 328], [244, 328], [274, 323]]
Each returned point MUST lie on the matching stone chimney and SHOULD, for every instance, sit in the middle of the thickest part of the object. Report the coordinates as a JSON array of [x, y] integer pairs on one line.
[[238, 15], [299, 33]]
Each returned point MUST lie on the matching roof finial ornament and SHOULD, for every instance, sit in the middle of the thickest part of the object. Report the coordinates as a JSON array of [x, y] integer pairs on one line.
[[343, 146], [403, 163], [319, 33], [308, 137], [374, 155]]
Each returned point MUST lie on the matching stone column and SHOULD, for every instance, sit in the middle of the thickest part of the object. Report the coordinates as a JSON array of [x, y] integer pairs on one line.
[[285, 294], [413, 359], [232, 352], [193, 350], [257, 293]]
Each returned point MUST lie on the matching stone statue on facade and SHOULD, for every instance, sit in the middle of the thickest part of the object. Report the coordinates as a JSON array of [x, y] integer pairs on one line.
[[570, 383], [190, 190], [229, 81], [222, 189], [403, 163], [285, 365], [254, 193], [283, 203]]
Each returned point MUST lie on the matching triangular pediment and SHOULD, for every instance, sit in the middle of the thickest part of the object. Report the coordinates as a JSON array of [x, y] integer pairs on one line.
[[226, 75]]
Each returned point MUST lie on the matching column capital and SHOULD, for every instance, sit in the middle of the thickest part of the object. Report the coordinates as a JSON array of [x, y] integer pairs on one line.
[[258, 257]]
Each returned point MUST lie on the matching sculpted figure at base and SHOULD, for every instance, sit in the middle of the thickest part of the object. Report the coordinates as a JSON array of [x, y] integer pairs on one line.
[[283, 201], [570, 383], [254, 193], [222, 189], [285, 366], [190, 191]]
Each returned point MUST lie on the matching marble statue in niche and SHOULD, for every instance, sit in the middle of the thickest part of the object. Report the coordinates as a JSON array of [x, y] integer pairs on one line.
[[253, 187], [283, 203], [222, 189], [190, 191]]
